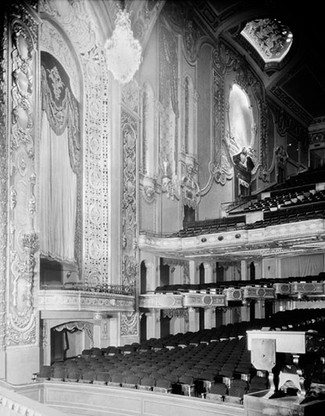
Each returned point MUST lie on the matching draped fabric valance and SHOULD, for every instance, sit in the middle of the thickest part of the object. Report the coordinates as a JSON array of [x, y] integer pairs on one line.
[[60, 105], [73, 326]]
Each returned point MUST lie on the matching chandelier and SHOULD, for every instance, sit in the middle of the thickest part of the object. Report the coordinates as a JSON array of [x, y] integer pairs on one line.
[[123, 51]]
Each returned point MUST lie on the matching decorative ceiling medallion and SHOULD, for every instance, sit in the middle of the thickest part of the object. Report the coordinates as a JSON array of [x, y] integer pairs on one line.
[[271, 38]]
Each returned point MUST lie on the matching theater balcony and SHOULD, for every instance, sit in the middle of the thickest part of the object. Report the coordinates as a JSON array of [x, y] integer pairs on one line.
[[256, 234], [84, 298]]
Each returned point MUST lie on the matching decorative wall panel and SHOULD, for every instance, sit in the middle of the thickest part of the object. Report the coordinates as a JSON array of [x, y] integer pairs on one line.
[[3, 178], [130, 138], [23, 239]]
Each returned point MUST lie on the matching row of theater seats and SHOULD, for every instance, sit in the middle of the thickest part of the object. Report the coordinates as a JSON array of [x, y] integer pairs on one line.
[[212, 226], [213, 363], [302, 180], [285, 214], [218, 287], [286, 199]]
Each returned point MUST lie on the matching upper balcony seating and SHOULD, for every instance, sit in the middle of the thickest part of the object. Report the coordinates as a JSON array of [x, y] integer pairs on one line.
[[302, 180], [306, 200], [301, 194], [211, 226]]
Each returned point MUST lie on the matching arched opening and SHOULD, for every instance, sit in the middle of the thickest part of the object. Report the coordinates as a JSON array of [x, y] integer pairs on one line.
[[69, 339]]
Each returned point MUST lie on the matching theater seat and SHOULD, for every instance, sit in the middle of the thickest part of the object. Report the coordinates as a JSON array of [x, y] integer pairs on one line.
[[102, 378], [88, 376], [44, 373], [58, 373], [187, 385], [218, 392], [236, 391], [73, 374], [163, 386], [147, 383], [131, 381], [116, 380]]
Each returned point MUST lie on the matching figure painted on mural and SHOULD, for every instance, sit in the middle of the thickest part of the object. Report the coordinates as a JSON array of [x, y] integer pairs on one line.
[[244, 165]]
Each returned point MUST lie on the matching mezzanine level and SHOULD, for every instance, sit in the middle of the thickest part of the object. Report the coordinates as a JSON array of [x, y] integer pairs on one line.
[[223, 294]]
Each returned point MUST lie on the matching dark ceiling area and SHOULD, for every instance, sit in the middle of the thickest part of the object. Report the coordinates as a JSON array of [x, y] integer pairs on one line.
[[301, 78]]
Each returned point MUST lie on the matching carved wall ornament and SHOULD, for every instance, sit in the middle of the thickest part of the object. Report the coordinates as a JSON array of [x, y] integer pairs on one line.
[[129, 323], [190, 190], [130, 96], [149, 189], [31, 242], [175, 313], [281, 156]]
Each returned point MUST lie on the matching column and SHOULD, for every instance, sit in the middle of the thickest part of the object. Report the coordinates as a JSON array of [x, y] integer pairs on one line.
[[227, 316], [153, 328], [244, 310], [46, 342], [193, 272], [97, 330], [193, 319], [209, 317], [260, 309], [243, 270]]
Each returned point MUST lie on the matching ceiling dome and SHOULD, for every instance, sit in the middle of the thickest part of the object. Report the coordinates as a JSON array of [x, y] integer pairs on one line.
[[271, 39]]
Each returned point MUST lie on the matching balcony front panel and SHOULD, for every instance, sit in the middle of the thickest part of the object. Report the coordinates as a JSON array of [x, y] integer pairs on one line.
[[201, 300], [74, 300], [161, 301], [291, 238]]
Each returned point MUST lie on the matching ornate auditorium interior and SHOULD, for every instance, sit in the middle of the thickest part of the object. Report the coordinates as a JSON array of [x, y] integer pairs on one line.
[[168, 257]]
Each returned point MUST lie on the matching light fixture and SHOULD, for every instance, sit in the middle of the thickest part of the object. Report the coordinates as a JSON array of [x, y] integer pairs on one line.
[[123, 51]]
